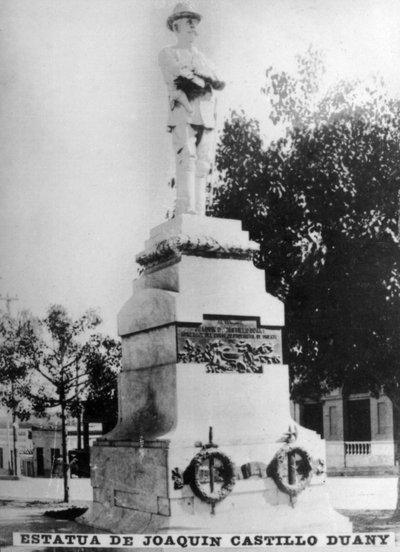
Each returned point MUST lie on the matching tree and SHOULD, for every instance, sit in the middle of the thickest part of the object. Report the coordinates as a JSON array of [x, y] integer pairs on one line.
[[97, 399], [15, 379], [53, 363], [57, 351], [103, 366], [323, 202]]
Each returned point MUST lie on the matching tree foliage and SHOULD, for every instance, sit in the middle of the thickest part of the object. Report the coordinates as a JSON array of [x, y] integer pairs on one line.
[[103, 365], [13, 343], [15, 377], [57, 352], [323, 202]]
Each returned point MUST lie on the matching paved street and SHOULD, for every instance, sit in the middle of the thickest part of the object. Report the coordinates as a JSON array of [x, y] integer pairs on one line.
[[366, 501], [41, 488], [349, 493], [363, 493]]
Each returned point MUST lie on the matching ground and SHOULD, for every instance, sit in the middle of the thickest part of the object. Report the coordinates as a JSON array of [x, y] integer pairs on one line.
[[366, 521], [22, 507]]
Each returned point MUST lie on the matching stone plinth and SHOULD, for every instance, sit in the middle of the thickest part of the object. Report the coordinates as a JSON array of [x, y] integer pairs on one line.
[[202, 348]]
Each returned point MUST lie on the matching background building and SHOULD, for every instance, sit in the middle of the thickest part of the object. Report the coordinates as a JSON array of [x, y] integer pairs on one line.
[[23, 443], [360, 431]]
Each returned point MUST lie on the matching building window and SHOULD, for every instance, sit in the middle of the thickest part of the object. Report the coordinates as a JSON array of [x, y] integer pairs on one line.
[[381, 417], [1, 459]]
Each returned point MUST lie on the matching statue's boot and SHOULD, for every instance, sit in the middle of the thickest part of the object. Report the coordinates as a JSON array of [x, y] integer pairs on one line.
[[185, 193], [200, 195]]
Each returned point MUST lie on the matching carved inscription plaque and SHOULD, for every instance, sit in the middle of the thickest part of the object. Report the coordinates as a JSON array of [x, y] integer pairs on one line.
[[230, 345]]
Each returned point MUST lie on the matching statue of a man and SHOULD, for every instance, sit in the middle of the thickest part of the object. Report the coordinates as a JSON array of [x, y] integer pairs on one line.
[[191, 83]]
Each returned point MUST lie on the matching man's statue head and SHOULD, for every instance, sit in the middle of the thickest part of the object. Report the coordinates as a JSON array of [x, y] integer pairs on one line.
[[183, 23]]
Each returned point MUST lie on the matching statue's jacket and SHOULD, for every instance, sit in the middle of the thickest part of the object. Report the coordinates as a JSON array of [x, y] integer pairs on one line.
[[189, 64]]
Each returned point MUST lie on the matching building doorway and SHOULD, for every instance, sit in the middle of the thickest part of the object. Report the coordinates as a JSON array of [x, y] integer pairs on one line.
[[358, 420], [311, 417], [40, 462]]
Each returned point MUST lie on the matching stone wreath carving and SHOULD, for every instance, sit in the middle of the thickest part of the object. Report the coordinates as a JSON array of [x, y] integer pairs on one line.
[[211, 488], [278, 470], [195, 245], [219, 356]]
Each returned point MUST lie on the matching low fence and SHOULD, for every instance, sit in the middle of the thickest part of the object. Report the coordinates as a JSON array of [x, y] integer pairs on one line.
[[361, 448]]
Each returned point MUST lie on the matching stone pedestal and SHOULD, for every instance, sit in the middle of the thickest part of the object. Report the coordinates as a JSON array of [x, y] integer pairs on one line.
[[202, 348]]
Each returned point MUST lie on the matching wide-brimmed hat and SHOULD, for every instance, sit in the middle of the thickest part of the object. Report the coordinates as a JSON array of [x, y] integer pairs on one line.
[[183, 9]]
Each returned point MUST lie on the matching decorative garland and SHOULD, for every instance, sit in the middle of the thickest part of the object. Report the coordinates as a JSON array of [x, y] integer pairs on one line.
[[278, 467], [192, 475], [195, 245]]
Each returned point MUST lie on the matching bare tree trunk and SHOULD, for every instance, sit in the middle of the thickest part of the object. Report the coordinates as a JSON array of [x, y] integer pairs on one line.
[[79, 431], [16, 466], [79, 416], [64, 448], [15, 456]]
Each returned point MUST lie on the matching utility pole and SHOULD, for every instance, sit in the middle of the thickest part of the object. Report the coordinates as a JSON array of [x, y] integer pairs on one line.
[[8, 300], [15, 460]]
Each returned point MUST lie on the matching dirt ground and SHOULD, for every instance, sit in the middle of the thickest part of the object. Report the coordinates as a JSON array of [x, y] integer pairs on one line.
[[18, 516], [367, 521], [27, 516]]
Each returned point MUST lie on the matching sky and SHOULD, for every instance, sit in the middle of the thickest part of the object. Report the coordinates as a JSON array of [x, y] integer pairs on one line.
[[84, 154]]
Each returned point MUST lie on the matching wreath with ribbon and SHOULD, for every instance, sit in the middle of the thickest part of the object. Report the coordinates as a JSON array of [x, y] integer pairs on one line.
[[226, 473], [278, 469]]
